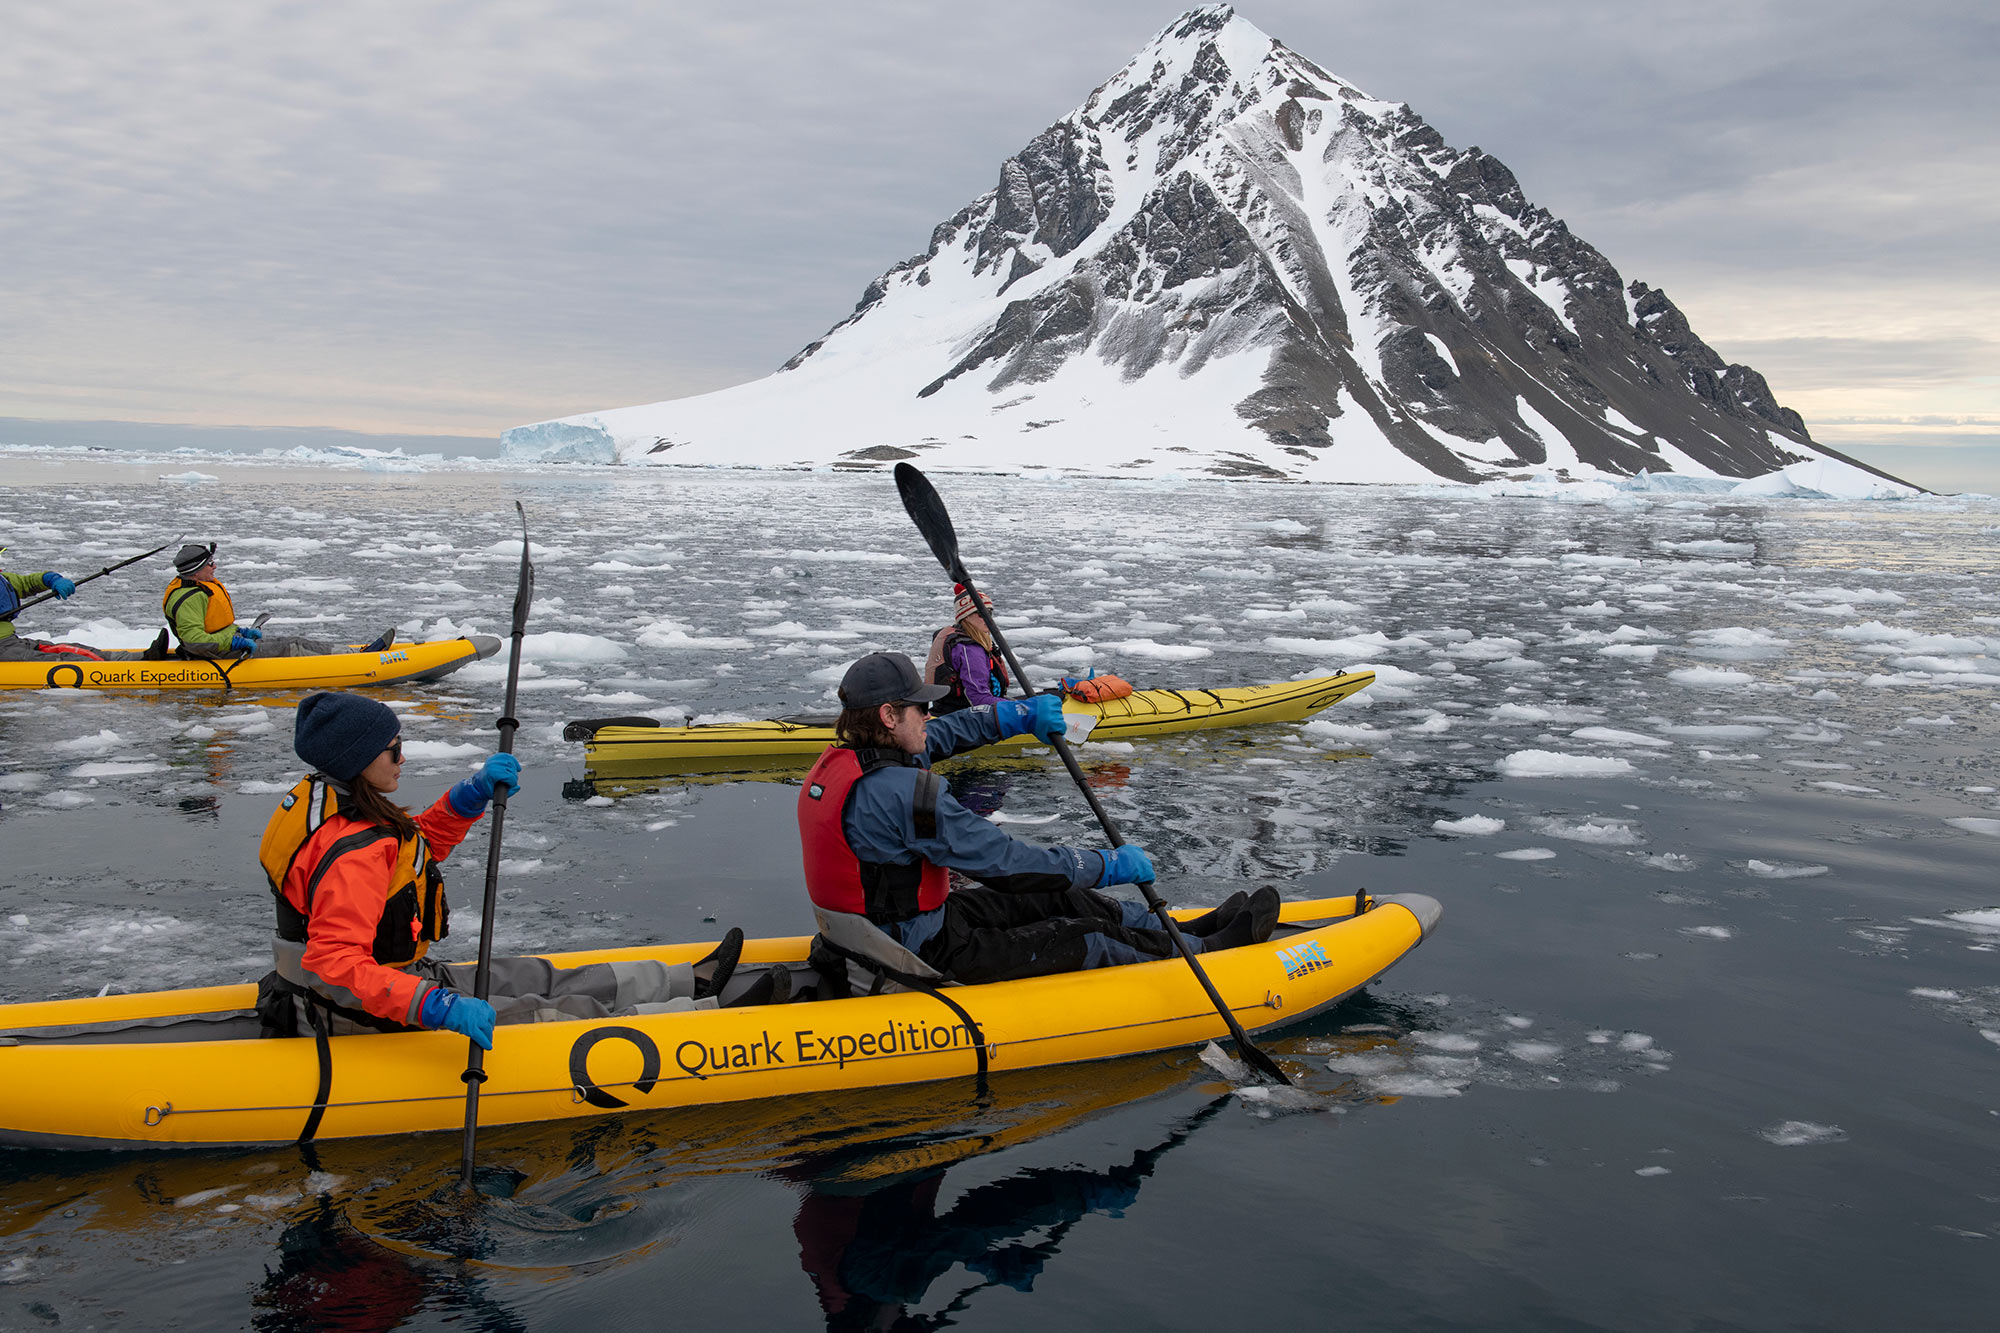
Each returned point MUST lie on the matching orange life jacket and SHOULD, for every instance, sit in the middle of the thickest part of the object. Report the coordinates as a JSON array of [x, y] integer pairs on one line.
[[221, 613]]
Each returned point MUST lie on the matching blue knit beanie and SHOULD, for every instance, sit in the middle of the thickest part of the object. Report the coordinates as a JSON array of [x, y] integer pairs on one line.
[[340, 734]]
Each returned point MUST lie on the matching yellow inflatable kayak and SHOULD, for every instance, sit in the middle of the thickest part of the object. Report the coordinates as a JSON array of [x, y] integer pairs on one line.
[[185, 1068], [403, 663], [640, 747]]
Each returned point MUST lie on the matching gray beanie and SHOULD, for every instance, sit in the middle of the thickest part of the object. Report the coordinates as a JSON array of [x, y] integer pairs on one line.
[[192, 557], [340, 734]]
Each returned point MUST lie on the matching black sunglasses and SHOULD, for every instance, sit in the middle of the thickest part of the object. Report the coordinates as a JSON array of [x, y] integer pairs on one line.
[[395, 751]]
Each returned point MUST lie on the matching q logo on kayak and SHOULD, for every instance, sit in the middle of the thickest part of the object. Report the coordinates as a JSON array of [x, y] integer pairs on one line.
[[75, 680], [579, 1064]]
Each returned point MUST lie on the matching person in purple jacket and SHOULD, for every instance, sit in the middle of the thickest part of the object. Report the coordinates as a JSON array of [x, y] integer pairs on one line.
[[964, 660]]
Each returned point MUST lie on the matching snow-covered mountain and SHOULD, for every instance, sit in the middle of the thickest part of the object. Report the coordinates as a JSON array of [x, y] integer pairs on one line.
[[1230, 262]]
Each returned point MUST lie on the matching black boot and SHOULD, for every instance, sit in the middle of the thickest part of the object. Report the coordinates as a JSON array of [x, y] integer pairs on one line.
[[712, 973], [381, 645], [1236, 932], [774, 987], [1263, 912], [1210, 922]]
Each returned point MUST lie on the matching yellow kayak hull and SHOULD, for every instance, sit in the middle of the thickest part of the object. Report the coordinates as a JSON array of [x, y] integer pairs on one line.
[[616, 751], [403, 663], [65, 1085]]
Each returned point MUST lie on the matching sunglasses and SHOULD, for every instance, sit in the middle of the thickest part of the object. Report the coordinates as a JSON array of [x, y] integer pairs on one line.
[[395, 751]]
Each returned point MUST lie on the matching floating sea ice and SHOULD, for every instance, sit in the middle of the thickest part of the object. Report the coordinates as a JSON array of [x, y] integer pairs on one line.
[[1710, 932], [1527, 854], [67, 800], [1366, 1062], [1847, 788], [1801, 1133], [1613, 736], [1643, 652], [1988, 827], [1737, 642], [102, 742], [1635, 1041], [1417, 1085], [1599, 832], [1447, 1041], [24, 781], [1784, 869], [1653, 1171], [1333, 733], [1472, 826], [116, 769], [510, 866], [619, 698], [1721, 731], [255, 788], [1673, 861], [1932, 993], [440, 750], [1553, 764], [1710, 677], [1159, 652], [1514, 714], [1534, 1052]]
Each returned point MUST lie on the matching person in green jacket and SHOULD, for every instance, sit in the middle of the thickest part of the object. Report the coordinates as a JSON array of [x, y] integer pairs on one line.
[[14, 589], [203, 619]]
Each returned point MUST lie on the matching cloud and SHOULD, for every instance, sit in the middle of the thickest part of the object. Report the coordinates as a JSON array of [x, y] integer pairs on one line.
[[456, 217]]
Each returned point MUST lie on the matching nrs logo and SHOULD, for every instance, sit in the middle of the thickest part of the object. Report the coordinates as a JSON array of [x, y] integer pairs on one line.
[[1300, 959]]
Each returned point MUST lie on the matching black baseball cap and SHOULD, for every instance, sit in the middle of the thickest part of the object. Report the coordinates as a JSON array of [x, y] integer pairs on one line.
[[886, 678]]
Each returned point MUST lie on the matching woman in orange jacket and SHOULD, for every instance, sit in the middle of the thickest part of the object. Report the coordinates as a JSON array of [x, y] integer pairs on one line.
[[360, 900]]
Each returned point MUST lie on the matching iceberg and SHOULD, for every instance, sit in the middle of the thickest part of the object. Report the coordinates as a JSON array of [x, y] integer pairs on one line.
[[575, 440]]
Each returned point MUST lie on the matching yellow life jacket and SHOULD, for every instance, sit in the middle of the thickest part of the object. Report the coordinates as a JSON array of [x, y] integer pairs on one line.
[[414, 914], [221, 613]]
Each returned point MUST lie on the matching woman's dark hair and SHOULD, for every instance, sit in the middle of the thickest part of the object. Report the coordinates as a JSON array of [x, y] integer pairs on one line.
[[862, 728], [371, 806]]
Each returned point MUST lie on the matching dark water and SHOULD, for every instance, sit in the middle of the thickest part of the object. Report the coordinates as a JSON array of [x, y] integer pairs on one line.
[[1729, 1057]]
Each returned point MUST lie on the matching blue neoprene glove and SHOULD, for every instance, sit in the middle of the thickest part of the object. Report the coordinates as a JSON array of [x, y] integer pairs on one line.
[[58, 585], [1041, 717], [469, 797], [239, 642], [1126, 865], [467, 1015], [252, 633]]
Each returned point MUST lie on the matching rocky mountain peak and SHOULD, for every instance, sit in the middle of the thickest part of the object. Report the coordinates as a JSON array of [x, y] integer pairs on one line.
[[1230, 260]]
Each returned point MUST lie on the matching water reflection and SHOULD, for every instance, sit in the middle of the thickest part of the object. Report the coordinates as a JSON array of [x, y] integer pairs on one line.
[[874, 1251]]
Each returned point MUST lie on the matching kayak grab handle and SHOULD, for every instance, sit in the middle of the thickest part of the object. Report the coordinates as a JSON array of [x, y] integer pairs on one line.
[[585, 728], [156, 1115]]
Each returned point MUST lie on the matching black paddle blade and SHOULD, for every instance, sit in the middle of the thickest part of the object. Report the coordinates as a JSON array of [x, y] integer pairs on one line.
[[524, 592], [927, 511]]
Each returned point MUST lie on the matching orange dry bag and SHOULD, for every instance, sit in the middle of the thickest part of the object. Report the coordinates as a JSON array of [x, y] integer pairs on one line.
[[1097, 689]]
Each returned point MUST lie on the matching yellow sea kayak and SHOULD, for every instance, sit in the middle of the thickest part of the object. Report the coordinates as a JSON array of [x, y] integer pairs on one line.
[[181, 1068], [401, 664], [619, 749]]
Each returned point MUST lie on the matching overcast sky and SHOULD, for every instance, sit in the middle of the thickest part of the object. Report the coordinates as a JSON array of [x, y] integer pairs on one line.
[[458, 217]]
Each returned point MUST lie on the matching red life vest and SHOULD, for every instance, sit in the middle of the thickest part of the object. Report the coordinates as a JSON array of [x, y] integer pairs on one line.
[[836, 878]]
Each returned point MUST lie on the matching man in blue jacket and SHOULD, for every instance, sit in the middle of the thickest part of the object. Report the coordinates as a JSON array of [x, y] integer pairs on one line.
[[882, 837]]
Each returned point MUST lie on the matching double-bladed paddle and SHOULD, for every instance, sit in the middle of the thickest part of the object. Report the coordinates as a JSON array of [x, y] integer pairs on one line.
[[927, 510], [27, 602], [475, 1065]]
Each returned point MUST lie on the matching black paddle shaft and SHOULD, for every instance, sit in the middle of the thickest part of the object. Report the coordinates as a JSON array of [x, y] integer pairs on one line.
[[40, 597], [926, 509], [475, 1065]]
